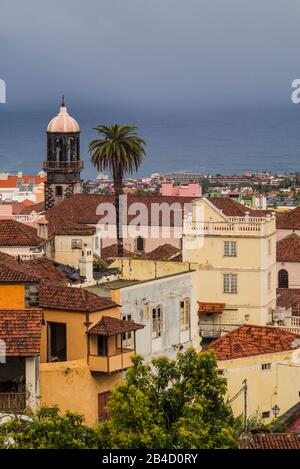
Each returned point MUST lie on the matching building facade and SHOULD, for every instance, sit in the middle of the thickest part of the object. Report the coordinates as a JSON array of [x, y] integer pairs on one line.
[[236, 256]]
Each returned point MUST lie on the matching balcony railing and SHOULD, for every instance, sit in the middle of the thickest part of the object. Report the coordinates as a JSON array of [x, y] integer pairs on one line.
[[63, 165], [250, 226], [213, 331], [12, 401], [111, 363]]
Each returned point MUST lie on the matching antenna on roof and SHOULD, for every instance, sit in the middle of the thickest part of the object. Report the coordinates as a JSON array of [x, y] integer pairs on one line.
[[63, 101]]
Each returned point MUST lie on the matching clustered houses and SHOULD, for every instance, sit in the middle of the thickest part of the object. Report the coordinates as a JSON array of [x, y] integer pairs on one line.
[[72, 314], [60, 345]]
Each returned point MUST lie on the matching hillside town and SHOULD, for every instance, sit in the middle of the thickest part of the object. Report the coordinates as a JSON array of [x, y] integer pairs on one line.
[[208, 263]]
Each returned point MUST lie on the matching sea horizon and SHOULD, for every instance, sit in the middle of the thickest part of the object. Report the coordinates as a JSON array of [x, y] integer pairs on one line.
[[207, 141]]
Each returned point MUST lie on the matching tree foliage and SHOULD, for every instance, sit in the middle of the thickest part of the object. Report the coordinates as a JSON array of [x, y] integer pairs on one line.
[[173, 404], [48, 429]]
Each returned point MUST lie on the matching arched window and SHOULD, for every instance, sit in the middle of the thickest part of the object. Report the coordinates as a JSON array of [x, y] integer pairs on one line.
[[283, 279], [140, 244]]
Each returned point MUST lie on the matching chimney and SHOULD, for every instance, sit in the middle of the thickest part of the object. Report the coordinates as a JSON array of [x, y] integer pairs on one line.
[[86, 263], [42, 228]]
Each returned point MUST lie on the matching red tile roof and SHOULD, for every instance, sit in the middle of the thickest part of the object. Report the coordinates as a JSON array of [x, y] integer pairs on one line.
[[249, 340], [82, 208], [21, 332], [38, 269], [37, 208], [164, 252], [211, 307], [232, 208], [11, 181], [73, 299], [108, 326], [272, 441], [10, 276], [14, 233], [287, 297], [288, 220], [288, 248], [110, 253]]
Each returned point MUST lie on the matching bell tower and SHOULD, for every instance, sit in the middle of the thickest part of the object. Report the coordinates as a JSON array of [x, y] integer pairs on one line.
[[63, 164]]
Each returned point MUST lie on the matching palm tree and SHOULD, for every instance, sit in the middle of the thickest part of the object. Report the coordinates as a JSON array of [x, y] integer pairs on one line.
[[120, 150]]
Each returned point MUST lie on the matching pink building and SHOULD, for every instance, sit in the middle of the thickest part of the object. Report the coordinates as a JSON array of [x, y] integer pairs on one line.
[[193, 189]]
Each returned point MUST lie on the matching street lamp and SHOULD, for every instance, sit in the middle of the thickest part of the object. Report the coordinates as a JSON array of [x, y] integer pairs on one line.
[[275, 410]]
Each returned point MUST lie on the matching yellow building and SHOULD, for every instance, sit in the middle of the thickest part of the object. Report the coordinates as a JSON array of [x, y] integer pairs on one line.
[[269, 359], [67, 348], [235, 249], [82, 350]]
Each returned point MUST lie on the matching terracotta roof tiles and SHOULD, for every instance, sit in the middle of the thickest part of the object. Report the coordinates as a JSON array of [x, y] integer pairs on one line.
[[288, 220], [73, 299], [249, 340], [108, 326], [272, 441], [288, 249], [14, 233], [21, 332]]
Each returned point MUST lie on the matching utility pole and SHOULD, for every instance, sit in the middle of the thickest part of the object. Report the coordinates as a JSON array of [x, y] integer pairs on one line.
[[245, 407]]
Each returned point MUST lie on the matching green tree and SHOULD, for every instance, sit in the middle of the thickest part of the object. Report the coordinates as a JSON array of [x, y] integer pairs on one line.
[[48, 429], [120, 150], [173, 404]]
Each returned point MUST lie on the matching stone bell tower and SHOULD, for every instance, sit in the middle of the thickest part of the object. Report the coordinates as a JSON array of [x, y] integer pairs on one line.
[[63, 163]]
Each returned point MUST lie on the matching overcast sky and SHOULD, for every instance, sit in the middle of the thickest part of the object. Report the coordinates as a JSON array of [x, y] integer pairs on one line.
[[191, 53]]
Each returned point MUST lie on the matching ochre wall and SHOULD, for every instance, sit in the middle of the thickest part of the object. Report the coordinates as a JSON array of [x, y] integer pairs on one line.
[[71, 386], [280, 385], [139, 269], [12, 296], [76, 330]]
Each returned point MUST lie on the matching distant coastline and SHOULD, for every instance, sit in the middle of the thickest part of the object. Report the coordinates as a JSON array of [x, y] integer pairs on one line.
[[207, 142]]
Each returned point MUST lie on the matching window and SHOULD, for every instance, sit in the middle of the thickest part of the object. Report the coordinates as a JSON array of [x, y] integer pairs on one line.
[[156, 322], [127, 336], [103, 410], [57, 342], [140, 244], [32, 299], [76, 243], [230, 283], [266, 366], [185, 307], [220, 372], [58, 191], [283, 279], [102, 345], [269, 247], [230, 249], [269, 280], [265, 415], [96, 243]]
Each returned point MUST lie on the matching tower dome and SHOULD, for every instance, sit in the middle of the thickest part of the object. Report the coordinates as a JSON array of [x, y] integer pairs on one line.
[[63, 122]]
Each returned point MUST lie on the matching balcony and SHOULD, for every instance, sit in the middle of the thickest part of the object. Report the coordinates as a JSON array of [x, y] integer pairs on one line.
[[214, 331], [12, 401], [63, 166], [248, 226], [112, 363], [108, 342]]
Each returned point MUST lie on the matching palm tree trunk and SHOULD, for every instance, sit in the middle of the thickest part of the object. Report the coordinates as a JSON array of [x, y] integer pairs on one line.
[[118, 191]]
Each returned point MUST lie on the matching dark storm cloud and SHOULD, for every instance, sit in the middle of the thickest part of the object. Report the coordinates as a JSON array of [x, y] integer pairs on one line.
[[149, 52]]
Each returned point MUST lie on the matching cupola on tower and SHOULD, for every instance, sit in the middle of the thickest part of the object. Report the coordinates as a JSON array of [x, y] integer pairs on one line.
[[63, 163]]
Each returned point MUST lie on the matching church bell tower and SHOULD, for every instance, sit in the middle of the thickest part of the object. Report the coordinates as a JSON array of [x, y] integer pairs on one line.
[[63, 163]]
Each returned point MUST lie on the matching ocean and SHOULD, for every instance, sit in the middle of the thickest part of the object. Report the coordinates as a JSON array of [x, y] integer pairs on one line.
[[214, 141]]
